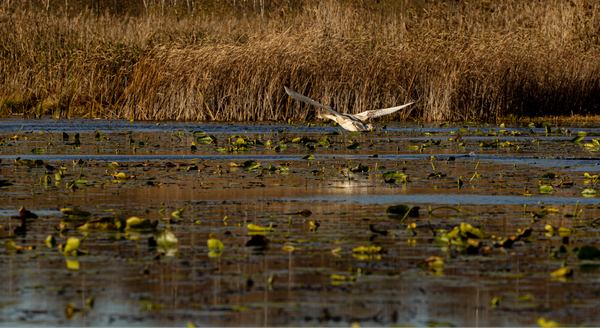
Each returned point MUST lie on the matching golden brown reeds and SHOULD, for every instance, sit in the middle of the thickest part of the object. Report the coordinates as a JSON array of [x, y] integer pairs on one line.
[[229, 60]]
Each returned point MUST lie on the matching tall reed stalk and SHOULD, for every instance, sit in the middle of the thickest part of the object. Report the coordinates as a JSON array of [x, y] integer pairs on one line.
[[229, 60]]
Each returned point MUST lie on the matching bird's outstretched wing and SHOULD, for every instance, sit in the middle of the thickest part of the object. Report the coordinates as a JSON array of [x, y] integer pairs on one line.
[[307, 100], [373, 113]]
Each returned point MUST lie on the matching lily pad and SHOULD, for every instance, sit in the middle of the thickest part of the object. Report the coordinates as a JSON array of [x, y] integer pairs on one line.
[[588, 252], [403, 211]]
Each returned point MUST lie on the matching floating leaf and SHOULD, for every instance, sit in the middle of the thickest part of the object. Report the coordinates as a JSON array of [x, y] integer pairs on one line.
[[403, 211], [12, 246], [354, 145], [75, 213], [166, 243], [324, 142], [258, 228], [149, 305], [377, 231], [58, 176], [50, 241], [72, 246], [588, 252], [546, 189], [367, 249], [239, 141], [251, 165], [72, 264], [564, 231], [259, 241], [550, 176], [120, 176], [588, 192], [495, 301], [215, 247], [139, 224], [463, 237], [102, 224], [435, 264], [526, 297], [395, 177], [543, 323], [549, 230], [70, 311], [469, 231], [339, 279], [360, 168], [202, 138], [562, 273], [313, 225]]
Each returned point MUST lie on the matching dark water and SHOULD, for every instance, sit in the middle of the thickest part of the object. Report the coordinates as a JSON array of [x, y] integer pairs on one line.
[[307, 274]]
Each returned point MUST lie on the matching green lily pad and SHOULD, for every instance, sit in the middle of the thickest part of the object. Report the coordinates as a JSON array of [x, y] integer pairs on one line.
[[588, 252], [403, 210]]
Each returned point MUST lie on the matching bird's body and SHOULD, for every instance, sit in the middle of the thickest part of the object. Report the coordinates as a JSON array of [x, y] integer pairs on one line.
[[350, 122]]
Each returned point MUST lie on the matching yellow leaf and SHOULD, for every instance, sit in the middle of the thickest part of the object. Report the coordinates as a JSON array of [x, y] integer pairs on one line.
[[367, 249], [563, 272], [71, 246], [546, 189], [258, 228], [137, 223], [215, 247], [120, 176], [495, 301], [435, 263], [11, 245], [564, 232], [339, 279], [50, 241], [542, 322], [72, 264]]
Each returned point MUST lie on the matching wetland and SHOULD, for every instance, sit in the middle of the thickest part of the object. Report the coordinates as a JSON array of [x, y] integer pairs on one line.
[[222, 224]]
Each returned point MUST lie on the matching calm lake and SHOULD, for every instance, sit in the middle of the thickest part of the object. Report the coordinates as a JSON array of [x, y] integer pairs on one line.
[[172, 224]]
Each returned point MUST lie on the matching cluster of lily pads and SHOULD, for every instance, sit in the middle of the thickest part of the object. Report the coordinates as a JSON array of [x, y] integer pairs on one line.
[[454, 242]]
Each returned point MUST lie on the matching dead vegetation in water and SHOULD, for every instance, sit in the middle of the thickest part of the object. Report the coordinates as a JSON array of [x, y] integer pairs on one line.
[[203, 60]]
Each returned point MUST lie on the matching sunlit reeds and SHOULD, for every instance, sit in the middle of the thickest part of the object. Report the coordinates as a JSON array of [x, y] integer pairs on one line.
[[229, 60]]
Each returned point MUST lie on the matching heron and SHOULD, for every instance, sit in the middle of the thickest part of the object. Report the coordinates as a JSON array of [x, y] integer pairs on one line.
[[350, 122]]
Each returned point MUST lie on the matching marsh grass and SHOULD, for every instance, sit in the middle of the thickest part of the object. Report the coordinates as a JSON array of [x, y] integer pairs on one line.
[[229, 60]]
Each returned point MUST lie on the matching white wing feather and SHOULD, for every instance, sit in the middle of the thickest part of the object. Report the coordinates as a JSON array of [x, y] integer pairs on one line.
[[307, 100], [373, 113]]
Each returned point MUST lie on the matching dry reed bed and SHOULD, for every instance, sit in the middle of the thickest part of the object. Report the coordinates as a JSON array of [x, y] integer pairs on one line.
[[462, 61]]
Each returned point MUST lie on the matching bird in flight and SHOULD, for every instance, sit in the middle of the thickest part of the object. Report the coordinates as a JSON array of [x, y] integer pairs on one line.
[[350, 122]]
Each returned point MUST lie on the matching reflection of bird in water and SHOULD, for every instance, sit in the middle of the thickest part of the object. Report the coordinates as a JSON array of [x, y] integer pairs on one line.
[[350, 122]]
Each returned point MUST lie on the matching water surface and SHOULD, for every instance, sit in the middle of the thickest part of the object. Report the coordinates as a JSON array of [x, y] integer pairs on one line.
[[320, 209]]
